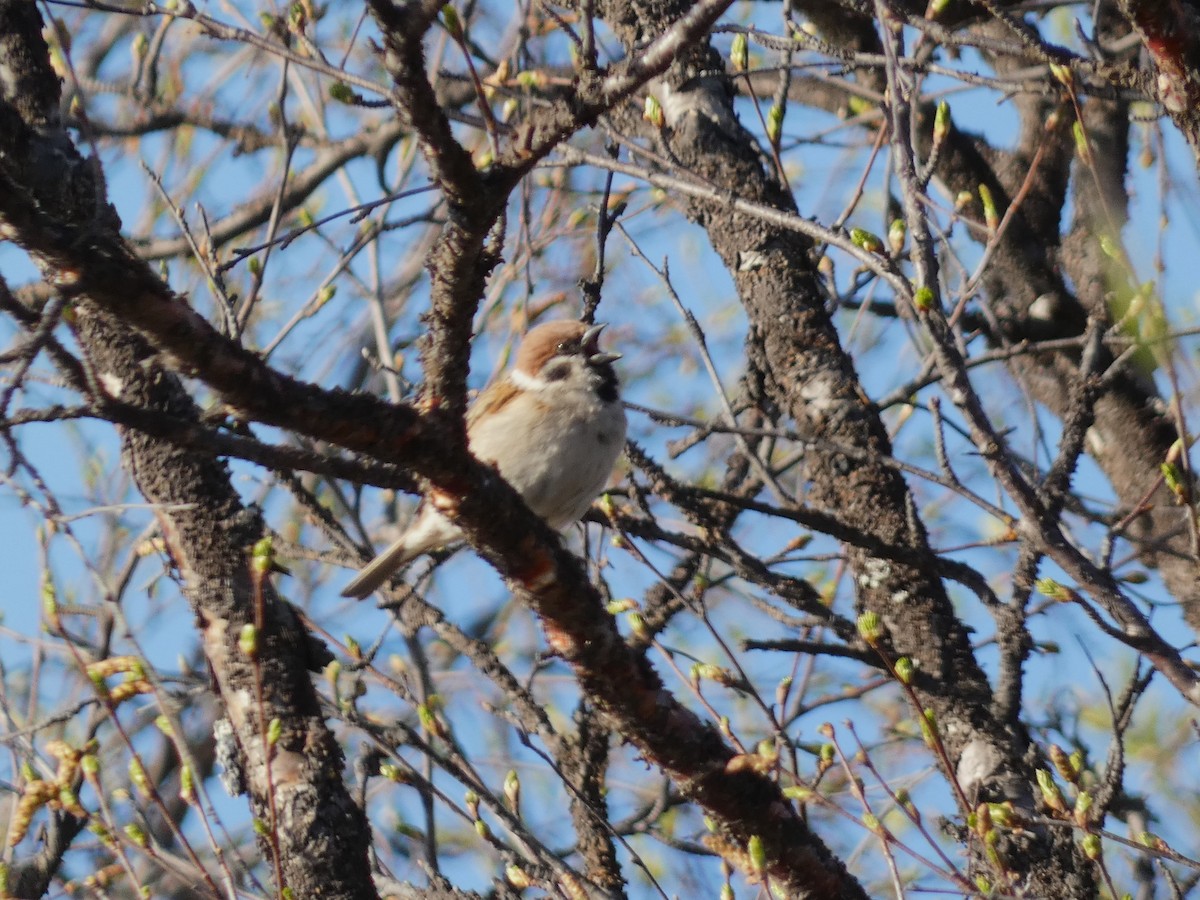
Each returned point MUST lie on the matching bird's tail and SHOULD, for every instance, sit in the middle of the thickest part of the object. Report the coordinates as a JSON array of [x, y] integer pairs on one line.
[[428, 531], [381, 568]]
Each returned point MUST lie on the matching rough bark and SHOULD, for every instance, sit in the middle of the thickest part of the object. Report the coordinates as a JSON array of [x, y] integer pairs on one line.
[[314, 833], [800, 369]]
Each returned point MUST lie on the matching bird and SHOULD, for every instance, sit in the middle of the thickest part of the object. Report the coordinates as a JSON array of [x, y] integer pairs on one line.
[[553, 426]]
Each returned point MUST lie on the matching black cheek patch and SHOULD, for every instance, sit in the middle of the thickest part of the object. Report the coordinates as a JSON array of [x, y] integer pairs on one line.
[[605, 381], [556, 371]]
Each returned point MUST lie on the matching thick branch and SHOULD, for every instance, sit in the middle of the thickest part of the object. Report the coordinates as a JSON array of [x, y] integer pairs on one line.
[[317, 836], [91, 261]]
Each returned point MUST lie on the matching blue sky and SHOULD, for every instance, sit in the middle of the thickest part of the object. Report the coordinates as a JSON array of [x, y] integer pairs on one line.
[[79, 461]]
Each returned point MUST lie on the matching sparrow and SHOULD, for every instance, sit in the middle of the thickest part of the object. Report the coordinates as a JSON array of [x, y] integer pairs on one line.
[[554, 426]]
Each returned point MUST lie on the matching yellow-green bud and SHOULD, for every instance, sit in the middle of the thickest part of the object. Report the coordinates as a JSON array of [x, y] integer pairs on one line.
[[652, 111], [757, 853], [739, 53], [1062, 74], [297, 16], [248, 640], [858, 105], [870, 628], [1083, 803], [137, 774], [530, 78], [928, 722], [517, 877], [941, 122], [1050, 588], [1051, 794], [1173, 477], [637, 625], [774, 123], [512, 790], [865, 240], [1001, 813], [1082, 145], [1154, 842], [451, 21], [990, 215], [616, 607]]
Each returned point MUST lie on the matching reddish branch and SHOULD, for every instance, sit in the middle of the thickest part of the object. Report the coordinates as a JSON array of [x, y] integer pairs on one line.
[[1170, 31]]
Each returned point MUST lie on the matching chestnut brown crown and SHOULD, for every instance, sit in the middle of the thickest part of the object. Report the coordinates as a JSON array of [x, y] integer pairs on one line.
[[551, 339]]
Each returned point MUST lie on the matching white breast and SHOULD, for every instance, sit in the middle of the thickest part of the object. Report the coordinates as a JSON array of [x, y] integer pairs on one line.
[[556, 445]]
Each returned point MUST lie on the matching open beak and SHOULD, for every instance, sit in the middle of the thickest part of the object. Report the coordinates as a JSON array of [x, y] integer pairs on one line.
[[591, 347]]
